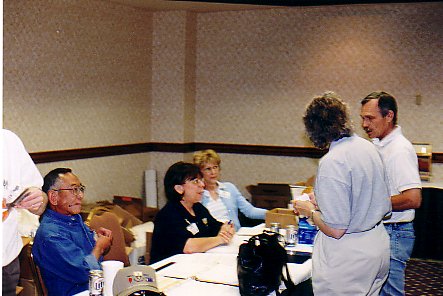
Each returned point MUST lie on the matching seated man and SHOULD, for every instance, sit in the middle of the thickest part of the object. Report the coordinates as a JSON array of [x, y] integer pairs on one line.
[[64, 247]]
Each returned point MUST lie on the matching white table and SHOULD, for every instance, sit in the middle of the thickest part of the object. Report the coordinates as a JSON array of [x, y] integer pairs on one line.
[[210, 274], [215, 272]]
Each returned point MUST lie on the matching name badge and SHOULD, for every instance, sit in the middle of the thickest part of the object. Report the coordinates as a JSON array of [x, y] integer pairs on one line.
[[224, 194], [192, 228]]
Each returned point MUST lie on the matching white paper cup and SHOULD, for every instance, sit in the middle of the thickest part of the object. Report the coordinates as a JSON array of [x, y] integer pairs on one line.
[[110, 269]]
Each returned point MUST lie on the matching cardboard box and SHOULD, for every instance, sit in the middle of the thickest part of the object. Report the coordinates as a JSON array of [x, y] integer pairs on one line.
[[283, 216]]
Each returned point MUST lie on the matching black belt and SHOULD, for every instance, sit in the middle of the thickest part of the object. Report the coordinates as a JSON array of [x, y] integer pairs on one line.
[[396, 223]]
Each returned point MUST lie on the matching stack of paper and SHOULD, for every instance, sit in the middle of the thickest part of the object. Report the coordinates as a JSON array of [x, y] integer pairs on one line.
[[212, 268]]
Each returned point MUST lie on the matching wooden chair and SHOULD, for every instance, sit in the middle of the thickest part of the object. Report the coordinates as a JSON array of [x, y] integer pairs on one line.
[[110, 221], [148, 247], [30, 276]]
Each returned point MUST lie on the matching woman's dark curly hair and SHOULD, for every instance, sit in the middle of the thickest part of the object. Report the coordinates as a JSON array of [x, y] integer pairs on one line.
[[326, 119]]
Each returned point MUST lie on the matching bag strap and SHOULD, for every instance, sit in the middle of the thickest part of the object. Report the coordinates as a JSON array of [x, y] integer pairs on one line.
[[289, 284]]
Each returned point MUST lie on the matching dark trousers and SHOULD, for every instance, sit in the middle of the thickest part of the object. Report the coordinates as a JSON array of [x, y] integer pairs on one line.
[[10, 277]]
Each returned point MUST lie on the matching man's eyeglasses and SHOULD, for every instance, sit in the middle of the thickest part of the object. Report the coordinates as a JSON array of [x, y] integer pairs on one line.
[[75, 190]]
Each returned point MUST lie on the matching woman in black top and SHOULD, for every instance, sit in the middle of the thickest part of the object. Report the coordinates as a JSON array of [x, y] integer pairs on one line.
[[184, 225]]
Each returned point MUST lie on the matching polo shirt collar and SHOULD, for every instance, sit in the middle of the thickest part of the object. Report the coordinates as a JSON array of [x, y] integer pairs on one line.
[[389, 138], [337, 142]]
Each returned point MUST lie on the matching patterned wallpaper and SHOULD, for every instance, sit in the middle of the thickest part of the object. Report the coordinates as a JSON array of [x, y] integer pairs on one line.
[[257, 70], [252, 86], [168, 73], [86, 73], [76, 73]]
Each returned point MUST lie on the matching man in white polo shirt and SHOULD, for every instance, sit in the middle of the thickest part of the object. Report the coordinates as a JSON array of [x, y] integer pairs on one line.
[[379, 120], [20, 175]]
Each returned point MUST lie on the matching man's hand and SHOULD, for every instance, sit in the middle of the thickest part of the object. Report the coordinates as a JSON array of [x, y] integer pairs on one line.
[[103, 243], [35, 201], [104, 232]]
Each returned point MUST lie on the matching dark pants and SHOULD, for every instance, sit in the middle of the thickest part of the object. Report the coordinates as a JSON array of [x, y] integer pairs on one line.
[[10, 277]]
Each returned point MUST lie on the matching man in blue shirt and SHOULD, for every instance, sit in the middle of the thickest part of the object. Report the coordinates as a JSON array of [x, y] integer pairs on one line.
[[65, 249]]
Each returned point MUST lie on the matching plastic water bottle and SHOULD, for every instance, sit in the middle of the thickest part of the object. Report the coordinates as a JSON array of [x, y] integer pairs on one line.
[[306, 232]]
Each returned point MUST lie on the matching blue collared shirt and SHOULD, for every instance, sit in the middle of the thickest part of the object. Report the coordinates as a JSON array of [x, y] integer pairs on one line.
[[235, 201], [63, 251]]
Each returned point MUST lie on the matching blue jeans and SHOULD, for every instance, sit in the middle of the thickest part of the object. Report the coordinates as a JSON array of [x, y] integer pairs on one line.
[[402, 242]]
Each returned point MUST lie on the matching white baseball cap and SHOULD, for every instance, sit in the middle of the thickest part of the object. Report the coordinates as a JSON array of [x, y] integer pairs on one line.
[[135, 280]]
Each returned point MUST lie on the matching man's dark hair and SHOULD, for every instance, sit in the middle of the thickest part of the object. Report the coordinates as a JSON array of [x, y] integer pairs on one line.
[[326, 119], [178, 174], [52, 177], [386, 102]]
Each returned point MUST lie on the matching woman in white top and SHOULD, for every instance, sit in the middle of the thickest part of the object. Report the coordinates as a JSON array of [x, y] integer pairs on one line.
[[223, 199]]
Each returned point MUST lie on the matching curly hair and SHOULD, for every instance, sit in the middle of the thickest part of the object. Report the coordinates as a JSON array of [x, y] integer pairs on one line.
[[206, 156], [326, 119]]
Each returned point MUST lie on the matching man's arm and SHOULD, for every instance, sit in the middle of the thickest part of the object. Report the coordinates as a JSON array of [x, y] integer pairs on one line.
[[59, 255], [408, 199]]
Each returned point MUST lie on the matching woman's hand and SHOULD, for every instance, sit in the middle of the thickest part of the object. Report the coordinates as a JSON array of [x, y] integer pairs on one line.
[[228, 227], [303, 208], [226, 232], [313, 200]]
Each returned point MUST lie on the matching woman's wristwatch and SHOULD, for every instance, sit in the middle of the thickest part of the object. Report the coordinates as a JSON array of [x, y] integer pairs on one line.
[[312, 213]]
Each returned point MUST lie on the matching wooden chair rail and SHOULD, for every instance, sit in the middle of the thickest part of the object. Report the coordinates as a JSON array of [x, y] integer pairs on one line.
[[82, 153]]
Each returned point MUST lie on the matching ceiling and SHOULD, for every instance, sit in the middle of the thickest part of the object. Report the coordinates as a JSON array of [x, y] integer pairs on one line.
[[220, 5]]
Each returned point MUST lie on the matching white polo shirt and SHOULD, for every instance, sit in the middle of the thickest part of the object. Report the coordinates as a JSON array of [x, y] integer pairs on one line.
[[19, 172], [401, 165]]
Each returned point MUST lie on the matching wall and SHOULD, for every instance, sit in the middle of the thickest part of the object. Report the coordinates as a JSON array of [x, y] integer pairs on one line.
[[257, 70], [78, 74], [97, 74]]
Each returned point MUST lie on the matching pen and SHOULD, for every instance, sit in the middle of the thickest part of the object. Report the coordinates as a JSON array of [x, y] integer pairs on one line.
[[230, 222], [164, 266]]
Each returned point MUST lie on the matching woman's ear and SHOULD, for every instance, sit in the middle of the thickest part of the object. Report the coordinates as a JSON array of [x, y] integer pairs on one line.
[[179, 188]]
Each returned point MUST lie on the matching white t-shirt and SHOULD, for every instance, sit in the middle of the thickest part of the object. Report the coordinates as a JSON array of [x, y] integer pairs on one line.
[[401, 165], [218, 209], [19, 172]]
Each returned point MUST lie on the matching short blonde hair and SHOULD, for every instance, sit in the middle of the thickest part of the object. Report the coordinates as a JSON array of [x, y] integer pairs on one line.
[[206, 156]]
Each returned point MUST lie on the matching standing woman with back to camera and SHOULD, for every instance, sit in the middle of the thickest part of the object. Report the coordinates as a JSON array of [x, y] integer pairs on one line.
[[351, 249]]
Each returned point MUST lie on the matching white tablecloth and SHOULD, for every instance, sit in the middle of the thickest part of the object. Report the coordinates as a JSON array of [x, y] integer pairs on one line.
[[189, 270]]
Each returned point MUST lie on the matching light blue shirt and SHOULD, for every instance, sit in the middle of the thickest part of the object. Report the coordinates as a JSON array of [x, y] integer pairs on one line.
[[350, 186], [235, 201]]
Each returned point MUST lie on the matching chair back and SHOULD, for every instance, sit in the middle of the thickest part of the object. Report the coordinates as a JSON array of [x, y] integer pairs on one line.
[[30, 276], [148, 247], [110, 221]]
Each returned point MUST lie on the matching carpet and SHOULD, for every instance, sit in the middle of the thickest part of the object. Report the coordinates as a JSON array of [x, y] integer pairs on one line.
[[424, 277]]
